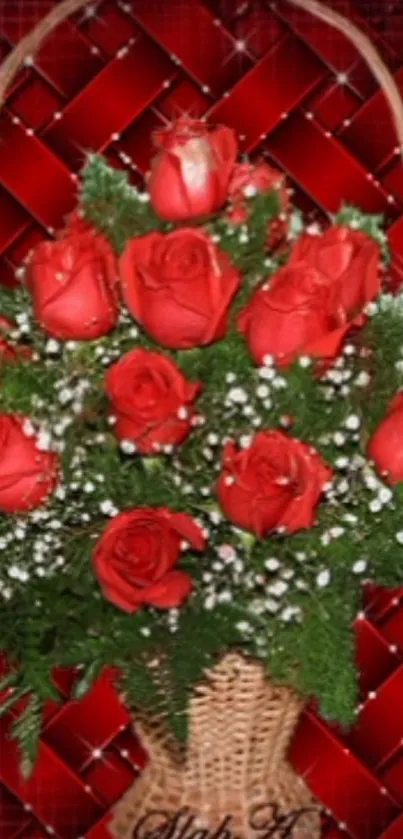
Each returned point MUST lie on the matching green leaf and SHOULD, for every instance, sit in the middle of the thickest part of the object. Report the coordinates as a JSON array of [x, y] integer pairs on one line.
[[248, 540], [152, 464], [85, 682], [114, 206], [26, 730], [8, 703], [8, 680]]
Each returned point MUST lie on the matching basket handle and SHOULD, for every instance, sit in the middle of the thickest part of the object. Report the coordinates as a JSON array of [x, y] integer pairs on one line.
[[368, 52], [30, 44]]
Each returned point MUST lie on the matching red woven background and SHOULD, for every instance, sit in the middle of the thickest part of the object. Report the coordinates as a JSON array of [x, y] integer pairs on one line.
[[298, 93]]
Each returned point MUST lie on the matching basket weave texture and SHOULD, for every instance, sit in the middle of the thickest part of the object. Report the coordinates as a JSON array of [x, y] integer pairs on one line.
[[235, 764]]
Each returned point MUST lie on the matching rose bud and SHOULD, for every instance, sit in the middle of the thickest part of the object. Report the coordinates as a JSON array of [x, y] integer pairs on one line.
[[152, 401], [274, 483], [27, 474], [191, 171], [385, 447], [73, 282], [179, 287], [135, 559], [247, 180]]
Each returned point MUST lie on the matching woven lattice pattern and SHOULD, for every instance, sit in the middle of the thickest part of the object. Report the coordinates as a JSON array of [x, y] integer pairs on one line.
[[236, 762], [118, 70], [104, 81]]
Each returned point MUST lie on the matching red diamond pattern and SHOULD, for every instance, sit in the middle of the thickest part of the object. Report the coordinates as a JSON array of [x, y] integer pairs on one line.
[[299, 94]]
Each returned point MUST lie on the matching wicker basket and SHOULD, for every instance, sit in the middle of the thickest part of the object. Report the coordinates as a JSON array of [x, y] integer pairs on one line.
[[235, 773]]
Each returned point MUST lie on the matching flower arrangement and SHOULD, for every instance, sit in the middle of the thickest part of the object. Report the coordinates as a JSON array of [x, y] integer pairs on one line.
[[200, 435]]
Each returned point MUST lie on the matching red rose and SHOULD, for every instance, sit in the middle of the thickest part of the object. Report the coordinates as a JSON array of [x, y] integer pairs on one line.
[[136, 556], [73, 282], [312, 302], [348, 259], [190, 174], [179, 287], [275, 483], [248, 179], [385, 447], [27, 474], [151, 399]]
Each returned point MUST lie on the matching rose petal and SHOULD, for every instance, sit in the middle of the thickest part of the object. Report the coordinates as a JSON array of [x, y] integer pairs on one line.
[[169, 592], [136, 256], [329, 345], [225, 146], [188, 529]]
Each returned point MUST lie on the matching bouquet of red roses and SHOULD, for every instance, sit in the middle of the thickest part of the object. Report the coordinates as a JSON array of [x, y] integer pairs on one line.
[[201, 443]]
